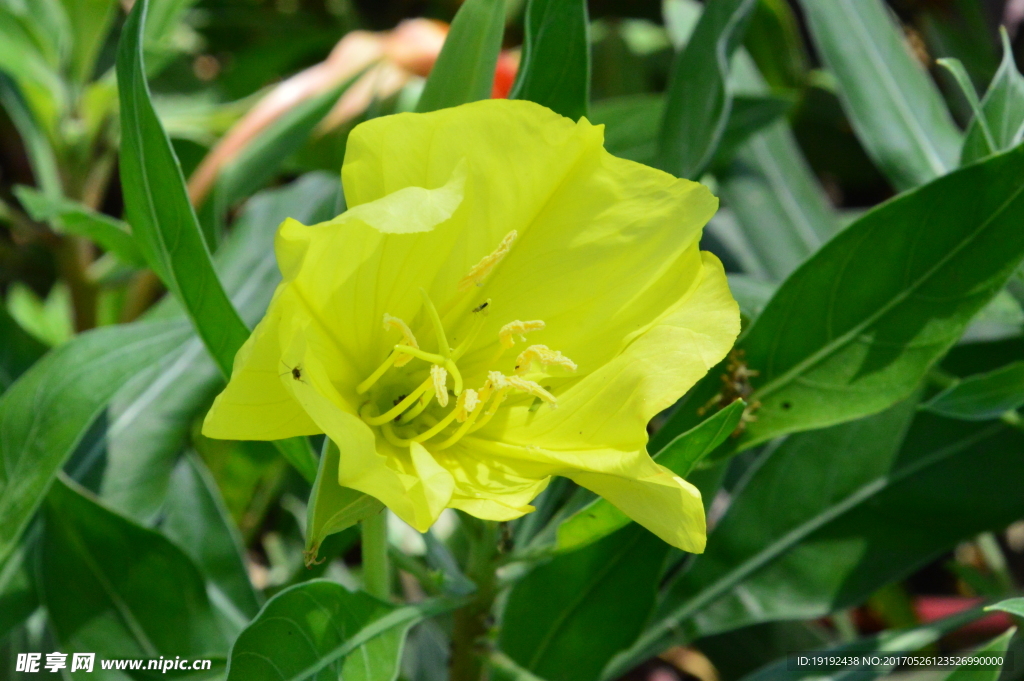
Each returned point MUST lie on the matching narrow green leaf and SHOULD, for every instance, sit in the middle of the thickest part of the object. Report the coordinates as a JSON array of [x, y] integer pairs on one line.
[[72, 217], [196, 519], [1014, 606], [894, 107], [333, 508], [464, 71], [119, 589], [332, 623], [982, 396], [567, 617], [997, 647], [47, 411], [151, 417], [829, 516], [599, 518], [555, 67], [40, 152], [698, 102], [18, 597], [1002, 112], [18, 350], [89, 21], [158, 208], [830, 349], [956, 68]]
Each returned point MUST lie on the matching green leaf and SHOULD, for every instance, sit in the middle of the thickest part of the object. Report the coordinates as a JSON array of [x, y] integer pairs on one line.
[[567, 617], [982, 396], [158, 207], [599, 518], [831, 349], [1002, 112], [196, 519], [887, 641], [18, 350], [47, 411], [119, 589], [827, 517], [464, 71], [774, 42], [18, 597], [698, 102], [333, 508], [74, 218], [310, 631], [555, 67], [894, 107], [150, 419], [996, 647], [33, 137], [1014, 606], [89, 21]]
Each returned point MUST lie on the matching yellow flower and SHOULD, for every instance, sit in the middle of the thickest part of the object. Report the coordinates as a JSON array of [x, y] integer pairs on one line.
[[504, 301]]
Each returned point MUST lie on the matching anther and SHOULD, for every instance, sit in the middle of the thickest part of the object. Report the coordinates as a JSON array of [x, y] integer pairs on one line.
[[439, 377], [532, 388], [468, 401], [407, 337], [540, 359], [517, 329], [479, 271]]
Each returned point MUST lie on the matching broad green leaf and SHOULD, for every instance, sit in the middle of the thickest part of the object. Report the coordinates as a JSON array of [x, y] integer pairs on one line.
[[982, 396], [464, 71], [697, 102], [887, 641], [782, 213], [740, 652], [18, 350], [555, 67], [343, 634], [1003, 111], [165, 225], [196, 519], [159, 211], [567, 617], [995, 648], [333, 508], [74, 218], [262, 157], [599, 518], [89, 21], [894, 107], [18, 597], [118, 589], [46, 412], [829, 348], [1014, 606], [774, 42], [827, 517], [751, 293], [150, 418]]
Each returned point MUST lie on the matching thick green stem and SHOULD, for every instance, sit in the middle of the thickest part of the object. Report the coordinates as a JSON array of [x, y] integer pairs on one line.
[[376, 571], [473, 621]]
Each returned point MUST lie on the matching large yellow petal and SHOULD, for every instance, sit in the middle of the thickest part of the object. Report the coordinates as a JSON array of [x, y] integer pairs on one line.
[[255, 405], [612, 406], [648, 493], [406, 480], [489, 488]]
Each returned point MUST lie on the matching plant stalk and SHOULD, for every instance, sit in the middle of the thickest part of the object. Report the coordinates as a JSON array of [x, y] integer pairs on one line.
[[473, 621], [376, 571]]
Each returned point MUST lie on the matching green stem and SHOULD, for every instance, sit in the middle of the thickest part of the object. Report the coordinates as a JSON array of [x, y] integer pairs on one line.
[[376, 572], [472, 622]]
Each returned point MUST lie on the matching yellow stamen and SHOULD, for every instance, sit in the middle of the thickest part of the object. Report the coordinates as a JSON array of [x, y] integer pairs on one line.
[[391, 436], [537, 359], [447, 363], [397, 410], [512, 330], [439, 376], [465, 405], [499, 397], [377, 373], [479, 271], [418, 409], [532, 388], [435, 321], [407, 336]]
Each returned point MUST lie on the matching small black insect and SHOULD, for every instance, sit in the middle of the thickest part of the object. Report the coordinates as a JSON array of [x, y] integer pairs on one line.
[[481, 306], [295, 371]]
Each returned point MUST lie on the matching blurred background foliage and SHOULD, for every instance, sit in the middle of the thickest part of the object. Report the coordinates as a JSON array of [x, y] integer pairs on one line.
[[793, 167]]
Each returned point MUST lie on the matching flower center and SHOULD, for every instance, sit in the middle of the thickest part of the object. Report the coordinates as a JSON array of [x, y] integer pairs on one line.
[[408, 395]]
